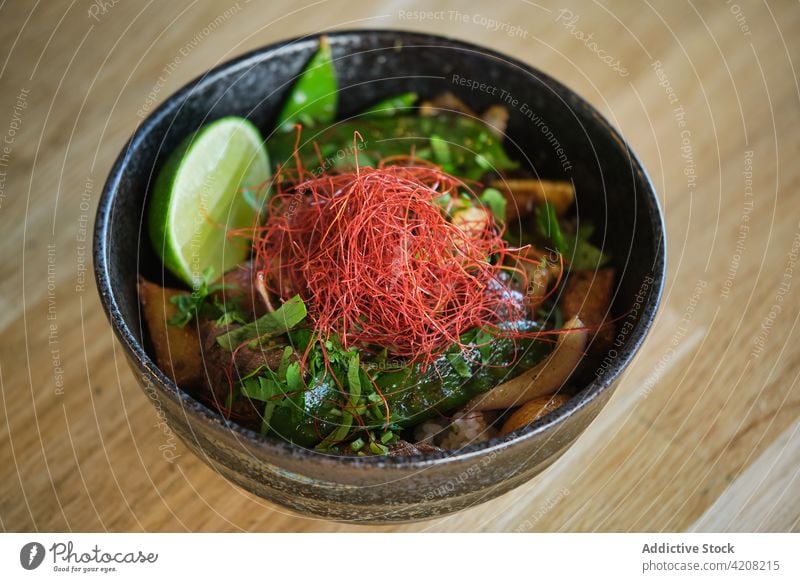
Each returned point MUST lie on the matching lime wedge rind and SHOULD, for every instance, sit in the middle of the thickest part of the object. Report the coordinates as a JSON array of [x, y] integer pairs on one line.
[[201, 195]]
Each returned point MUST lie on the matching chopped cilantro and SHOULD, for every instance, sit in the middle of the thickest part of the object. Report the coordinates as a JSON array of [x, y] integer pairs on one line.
[[277, 322], [189, 305]]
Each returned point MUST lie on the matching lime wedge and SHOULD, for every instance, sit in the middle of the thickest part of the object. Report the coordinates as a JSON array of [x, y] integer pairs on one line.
[[204, 194]]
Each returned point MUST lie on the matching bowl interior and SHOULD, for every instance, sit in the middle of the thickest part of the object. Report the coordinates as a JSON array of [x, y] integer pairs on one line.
[[551, 131]]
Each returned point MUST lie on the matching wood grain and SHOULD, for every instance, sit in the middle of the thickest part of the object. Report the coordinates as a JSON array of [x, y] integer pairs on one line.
[[703, 431]]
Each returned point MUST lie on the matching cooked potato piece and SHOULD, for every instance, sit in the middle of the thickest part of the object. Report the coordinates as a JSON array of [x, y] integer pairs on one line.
[[533, 410], [524, 194], [177, 349], [588, 295]]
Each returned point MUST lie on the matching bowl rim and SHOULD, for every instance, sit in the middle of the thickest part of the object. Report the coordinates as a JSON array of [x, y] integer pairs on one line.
[[225, 428]]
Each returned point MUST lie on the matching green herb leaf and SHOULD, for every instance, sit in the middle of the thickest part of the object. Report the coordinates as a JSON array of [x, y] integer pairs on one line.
[[294, 377], [314, 97], [581, 253], [271, 324], [189, 305], [354, 384], [483, 162], [483, 341], [378, 448], [398, 104], [547, 221], [353, 379], [269, 409], [230, 312], [300, 338], [459, 364], [284, 365], [441, 153], [496, 202], [261, 388], [575, 247]]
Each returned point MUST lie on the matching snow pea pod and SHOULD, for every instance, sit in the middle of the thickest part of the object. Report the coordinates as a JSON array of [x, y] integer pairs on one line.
[[314, 96]]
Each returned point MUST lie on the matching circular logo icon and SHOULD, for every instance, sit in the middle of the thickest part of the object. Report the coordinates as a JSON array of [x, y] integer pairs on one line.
[[31, 555]]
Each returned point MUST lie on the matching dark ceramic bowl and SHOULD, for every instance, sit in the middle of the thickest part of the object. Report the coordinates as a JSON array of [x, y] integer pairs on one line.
[[613, 191]]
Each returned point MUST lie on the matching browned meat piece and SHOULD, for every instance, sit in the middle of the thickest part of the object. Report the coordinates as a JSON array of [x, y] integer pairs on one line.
[[241, 286], [588, 295], [445, 101], [542, 274], [525, 194], [177, 349], [405, 449]]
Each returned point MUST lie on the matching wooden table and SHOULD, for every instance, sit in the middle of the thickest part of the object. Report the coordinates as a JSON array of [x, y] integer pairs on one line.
[[703, 430]]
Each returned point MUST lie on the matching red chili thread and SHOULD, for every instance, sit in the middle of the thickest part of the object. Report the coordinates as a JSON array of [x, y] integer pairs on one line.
[[379, 263]]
